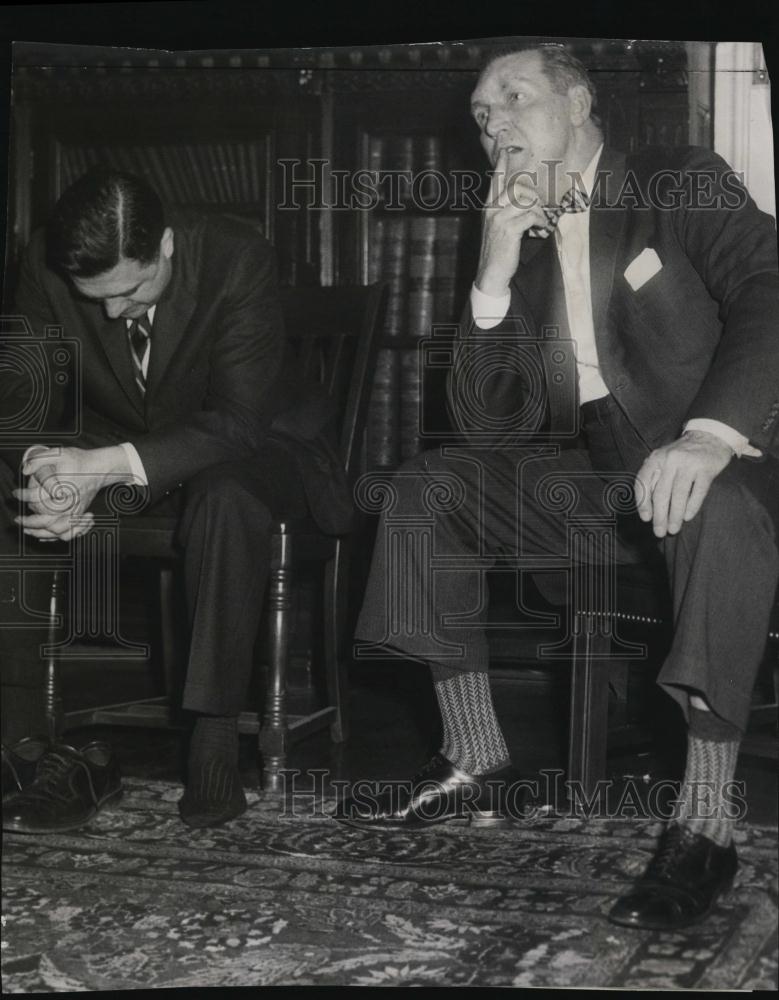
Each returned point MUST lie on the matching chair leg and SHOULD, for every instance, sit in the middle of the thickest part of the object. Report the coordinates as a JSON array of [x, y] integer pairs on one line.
[[168, 628], [274, 734], [589, 706], [335, 591], [53, 697]]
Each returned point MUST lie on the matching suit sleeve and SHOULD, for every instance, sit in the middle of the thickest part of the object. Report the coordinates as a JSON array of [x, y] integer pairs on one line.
[[732, 245], [244, 390]]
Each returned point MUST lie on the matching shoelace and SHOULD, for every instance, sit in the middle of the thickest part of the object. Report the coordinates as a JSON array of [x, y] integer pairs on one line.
[[667, 857], [430, 765], [51, 770]]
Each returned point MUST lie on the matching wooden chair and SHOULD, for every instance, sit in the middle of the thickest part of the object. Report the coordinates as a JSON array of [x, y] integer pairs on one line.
[[335, 331], [643, 604], [612, 614]]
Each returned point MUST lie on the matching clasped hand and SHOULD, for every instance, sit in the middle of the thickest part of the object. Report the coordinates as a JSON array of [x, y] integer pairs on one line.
[[673, 482], [61, 486]]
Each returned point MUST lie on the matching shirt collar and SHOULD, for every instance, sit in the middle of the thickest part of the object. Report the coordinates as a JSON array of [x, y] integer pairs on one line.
[[149, 313], [588, 177]]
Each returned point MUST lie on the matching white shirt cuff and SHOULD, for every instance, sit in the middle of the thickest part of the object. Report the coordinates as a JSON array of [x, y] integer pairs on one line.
[[724, 432], [135, 463], [488, 311]]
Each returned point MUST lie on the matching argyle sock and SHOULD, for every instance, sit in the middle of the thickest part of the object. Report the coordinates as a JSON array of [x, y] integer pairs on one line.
[[214, 792], [473, 740], [712, 751], [214, 737]]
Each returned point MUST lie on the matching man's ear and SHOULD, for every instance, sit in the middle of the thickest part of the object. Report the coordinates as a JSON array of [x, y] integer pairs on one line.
[[581, 104], [166, 243]]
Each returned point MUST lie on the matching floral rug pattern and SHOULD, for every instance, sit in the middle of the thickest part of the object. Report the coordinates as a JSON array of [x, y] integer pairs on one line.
[[136, 900]]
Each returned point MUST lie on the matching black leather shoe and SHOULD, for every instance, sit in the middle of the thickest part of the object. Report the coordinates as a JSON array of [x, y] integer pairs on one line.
[[70, 787], [439, 793], [20, 762], [680, 885], [214, 795]]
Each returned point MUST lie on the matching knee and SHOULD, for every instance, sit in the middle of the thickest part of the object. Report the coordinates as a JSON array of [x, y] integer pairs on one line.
[[409, 488], [222, 490], [731, 513]]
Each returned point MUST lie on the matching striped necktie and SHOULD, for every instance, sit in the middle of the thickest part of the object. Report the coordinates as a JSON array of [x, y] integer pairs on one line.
[[139, 333], [573, 200]]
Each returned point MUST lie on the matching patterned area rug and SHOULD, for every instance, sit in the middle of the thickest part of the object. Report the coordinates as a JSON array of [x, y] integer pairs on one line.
[[135, 900]]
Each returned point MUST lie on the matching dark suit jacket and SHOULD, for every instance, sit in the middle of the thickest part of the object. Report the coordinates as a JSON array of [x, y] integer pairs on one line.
[[699, 339], [221, 378]]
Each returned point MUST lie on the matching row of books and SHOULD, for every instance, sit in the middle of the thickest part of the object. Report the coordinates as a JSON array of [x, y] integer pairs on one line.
[[417, 257], [182, 173], [413, 156]]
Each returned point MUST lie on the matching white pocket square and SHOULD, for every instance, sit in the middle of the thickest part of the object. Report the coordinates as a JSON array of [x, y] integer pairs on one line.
[[644, 267]]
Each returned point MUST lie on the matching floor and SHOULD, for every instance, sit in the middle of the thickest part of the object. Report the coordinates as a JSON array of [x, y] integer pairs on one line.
[[394, 721]]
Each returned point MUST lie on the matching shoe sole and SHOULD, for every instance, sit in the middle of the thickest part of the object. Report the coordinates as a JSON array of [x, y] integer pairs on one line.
[[112, 797], [482, 820], [641, 926], [217, 819]]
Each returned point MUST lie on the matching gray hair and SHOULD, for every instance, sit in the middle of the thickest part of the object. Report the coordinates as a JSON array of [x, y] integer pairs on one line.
[[561, 69]]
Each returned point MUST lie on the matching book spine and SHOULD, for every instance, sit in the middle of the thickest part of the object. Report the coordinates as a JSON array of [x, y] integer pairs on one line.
[[160, 180], [376, 237], [243, 173], [400, 157], [206, 172], [410, 403], [197, 175], [421, 272], [256, 168], [447, 251], [178, 167], [429, 161], [235, 177], [377, 151], [382, 433], [394, 262]]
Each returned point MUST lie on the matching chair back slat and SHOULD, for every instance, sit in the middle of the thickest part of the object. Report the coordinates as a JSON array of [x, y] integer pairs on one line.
[[335, 334]]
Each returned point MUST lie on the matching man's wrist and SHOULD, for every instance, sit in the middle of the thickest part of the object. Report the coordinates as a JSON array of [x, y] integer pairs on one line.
[[113, 464], [495, 287], [488, 311], [738, 443]]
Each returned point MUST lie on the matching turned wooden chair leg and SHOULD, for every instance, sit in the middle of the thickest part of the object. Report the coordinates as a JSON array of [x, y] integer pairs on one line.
[[335, 596], [168, 631], [588, 728], [274, 736], [52, 696]]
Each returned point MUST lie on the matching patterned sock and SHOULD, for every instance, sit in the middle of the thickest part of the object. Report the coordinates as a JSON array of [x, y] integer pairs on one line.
[[473, 740], [712, 752], [215, 737]]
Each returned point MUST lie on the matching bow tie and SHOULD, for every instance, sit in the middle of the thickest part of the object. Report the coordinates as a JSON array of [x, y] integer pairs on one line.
[[573, 200]]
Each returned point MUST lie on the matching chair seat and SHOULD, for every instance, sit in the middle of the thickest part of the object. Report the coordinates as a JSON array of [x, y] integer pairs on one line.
[[154, 537]]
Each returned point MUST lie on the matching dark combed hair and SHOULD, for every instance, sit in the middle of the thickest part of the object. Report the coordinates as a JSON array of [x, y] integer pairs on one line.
[[104, 217], [561, 68]]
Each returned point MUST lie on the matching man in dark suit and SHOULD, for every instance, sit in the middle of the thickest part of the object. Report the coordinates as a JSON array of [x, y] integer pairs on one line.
[[190, 395], [662, 272]]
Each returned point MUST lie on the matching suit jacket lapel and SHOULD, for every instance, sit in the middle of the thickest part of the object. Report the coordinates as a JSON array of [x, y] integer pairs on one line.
[[607, 225], [112, 334], [171, 318]]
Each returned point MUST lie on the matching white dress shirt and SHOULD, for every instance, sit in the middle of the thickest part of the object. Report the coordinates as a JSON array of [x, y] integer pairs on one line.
[[572, 240]]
